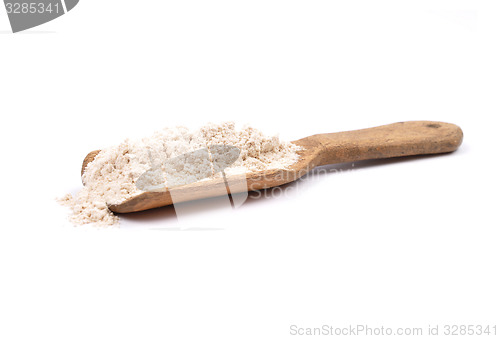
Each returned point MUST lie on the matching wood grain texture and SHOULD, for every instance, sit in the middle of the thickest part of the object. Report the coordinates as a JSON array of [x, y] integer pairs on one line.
[[388, 141]]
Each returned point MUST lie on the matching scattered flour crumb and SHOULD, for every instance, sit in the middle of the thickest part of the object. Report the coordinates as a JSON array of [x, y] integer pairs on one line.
[[172, 156]]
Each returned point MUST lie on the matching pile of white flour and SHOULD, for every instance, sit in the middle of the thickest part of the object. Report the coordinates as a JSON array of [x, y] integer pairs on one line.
[[112, 176]]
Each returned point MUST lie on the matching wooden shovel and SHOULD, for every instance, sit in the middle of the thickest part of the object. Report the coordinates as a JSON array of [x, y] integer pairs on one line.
[[388, 141]]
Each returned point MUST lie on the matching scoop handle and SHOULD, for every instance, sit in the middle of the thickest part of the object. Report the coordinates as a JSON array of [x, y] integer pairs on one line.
[[388, 141]]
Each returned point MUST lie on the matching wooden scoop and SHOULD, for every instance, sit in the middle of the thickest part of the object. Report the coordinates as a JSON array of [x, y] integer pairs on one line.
[[388, 141]]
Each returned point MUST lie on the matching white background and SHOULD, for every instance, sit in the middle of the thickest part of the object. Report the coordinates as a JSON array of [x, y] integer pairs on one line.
[[394, 243]]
